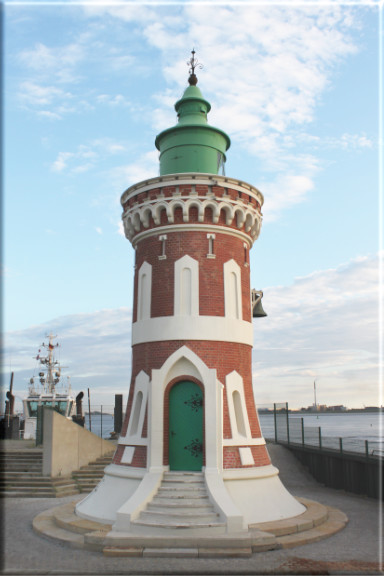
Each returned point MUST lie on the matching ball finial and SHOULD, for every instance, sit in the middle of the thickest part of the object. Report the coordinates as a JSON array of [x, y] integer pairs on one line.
[[193, 63]]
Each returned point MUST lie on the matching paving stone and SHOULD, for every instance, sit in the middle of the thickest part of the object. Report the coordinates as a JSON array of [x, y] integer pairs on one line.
[[122, 552], [170, 553], [225, 552]]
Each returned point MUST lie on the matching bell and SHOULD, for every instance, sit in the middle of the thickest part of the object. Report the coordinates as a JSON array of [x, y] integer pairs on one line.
[[257, 308], [258, 311]]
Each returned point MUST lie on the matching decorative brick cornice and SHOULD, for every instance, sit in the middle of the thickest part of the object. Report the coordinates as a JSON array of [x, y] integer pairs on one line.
[[192, 199]]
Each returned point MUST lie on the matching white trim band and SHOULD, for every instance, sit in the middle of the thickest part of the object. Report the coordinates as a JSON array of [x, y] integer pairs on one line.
[[213, 328]]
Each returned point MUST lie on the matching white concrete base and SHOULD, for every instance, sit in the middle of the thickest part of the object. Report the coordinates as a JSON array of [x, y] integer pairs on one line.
[[240, 496]]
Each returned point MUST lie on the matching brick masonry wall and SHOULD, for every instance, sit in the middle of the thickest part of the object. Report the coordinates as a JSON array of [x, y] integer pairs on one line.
[[139, 459], [211, 271]]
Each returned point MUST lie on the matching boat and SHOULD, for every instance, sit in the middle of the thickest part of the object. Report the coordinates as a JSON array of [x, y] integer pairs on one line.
[[48, 389]]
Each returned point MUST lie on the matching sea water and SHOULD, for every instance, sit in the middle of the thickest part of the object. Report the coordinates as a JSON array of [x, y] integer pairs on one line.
[[350, 425], [358, 425]]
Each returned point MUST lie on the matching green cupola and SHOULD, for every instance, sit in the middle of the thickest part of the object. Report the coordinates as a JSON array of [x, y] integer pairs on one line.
[[192, 145]]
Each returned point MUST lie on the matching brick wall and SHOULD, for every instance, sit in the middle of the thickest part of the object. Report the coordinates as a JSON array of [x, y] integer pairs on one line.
[[211, 271]]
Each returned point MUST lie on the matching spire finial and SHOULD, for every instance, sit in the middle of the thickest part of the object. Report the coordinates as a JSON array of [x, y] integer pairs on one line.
[[193, 63]]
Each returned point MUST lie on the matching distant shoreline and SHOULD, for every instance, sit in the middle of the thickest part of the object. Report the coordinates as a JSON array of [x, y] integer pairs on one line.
[[370, 410]]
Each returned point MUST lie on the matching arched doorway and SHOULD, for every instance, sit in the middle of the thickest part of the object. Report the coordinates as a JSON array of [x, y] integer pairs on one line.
[[186, 426]]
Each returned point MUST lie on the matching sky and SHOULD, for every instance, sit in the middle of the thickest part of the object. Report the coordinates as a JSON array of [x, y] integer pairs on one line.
[[86, 89]]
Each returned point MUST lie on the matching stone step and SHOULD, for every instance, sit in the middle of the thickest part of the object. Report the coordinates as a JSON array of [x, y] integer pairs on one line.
[[23, 468], [177, 478], [21, 462], [16, 455], [22, 475], [202, 504], [97, 464], [173, 527], [88, 473], [30, 493], [196, 493], [178, 516], [35, 480]]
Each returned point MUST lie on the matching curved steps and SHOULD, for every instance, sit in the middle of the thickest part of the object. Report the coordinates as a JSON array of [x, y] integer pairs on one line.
[[316, 523]]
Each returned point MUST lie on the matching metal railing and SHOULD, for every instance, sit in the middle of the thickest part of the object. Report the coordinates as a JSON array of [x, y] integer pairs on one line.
[[290, 429], [100, 420]]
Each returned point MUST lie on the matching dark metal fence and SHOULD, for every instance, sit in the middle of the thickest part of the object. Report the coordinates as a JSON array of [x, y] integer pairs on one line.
[[101, 420], [290, 429]]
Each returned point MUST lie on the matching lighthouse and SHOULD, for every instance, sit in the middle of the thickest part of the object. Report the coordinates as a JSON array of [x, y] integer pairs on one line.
[[191, 417]]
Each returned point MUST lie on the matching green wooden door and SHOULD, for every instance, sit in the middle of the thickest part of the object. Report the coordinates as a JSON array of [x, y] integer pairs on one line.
[[185, 427]]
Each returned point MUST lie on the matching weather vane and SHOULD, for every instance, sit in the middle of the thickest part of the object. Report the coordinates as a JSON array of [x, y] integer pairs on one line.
[[193, 63]]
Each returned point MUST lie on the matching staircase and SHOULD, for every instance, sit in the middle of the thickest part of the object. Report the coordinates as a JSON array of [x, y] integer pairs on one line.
[[88, 477], [22, 477], [181, 503]]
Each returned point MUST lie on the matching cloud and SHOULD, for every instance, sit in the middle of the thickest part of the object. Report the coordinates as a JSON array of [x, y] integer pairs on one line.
[[94, 348], [284, 192], [35, 94], [87, 156], [323, 326], [59, 61], [146, 166]]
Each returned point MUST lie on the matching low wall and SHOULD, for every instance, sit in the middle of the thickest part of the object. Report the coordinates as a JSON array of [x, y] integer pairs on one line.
[[351, 472], [67, 446]]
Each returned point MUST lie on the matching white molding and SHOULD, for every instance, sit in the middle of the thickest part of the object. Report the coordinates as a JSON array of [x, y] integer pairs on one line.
[[132, 441], [246, 456], [240, 442], [212, 328], [183, 363], [193, 228]]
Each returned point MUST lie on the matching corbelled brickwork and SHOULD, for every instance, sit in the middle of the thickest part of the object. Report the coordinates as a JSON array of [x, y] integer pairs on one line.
[[220, 202]]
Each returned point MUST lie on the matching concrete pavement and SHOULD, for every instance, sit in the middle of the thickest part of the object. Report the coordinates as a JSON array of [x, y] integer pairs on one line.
[[354, 550]]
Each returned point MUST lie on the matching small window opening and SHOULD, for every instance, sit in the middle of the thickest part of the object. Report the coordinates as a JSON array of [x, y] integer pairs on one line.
[[211, 253], [162, 239], [246, 255]]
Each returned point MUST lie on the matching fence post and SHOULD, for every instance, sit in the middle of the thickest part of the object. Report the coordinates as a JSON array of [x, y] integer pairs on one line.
[[341, 445], [366, 449], [320, 444], [275, 421], [286, 407], [302, 431]]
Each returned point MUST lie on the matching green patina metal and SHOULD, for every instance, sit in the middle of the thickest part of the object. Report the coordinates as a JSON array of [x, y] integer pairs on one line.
[[192, 145], [186, 427]]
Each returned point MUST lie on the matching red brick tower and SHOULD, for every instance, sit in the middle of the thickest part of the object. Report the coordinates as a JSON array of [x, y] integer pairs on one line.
[[191, 405]]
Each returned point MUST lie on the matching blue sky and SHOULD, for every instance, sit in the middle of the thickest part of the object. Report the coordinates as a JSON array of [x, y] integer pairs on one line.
[[296, 87]]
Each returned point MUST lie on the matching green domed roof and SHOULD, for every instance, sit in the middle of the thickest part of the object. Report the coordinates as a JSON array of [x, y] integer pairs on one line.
[[192, 145]]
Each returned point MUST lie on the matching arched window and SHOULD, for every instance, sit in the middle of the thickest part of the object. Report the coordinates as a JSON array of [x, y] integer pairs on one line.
[[186, 301], [144, 292], [232, 290], [139, 405], [237, 408]]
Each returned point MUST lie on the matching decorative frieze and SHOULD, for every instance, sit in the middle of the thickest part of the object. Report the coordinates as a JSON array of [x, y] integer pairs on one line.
[[217, 201]]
